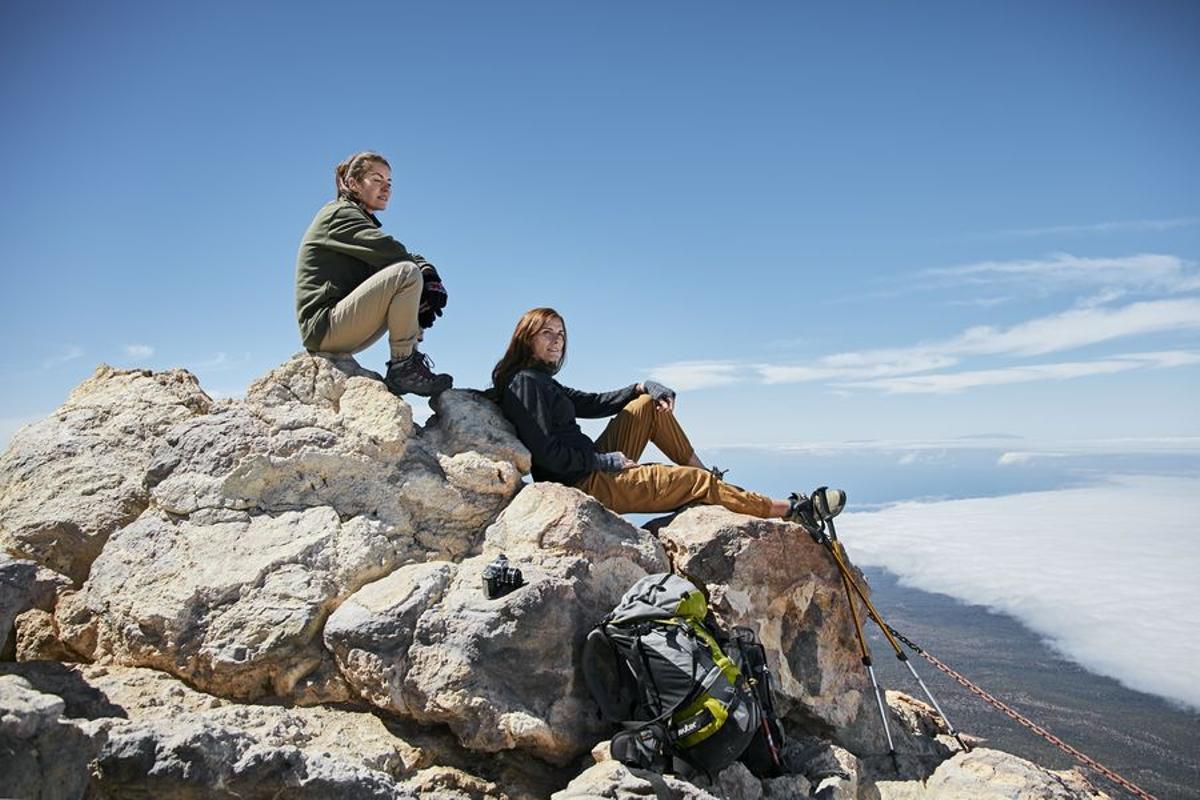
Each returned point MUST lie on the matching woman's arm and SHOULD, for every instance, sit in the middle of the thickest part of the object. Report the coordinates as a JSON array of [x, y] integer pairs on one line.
[[601, 404]]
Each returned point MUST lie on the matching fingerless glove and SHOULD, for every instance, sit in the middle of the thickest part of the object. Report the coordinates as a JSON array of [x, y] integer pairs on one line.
[[657, 391], [610, 462]]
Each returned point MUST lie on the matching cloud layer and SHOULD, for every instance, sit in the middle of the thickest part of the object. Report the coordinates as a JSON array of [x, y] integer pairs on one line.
[[1106, 574], [959, 362]]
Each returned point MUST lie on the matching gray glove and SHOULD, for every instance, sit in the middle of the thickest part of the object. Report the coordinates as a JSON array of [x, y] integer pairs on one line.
[[610, 462], [657, 391]]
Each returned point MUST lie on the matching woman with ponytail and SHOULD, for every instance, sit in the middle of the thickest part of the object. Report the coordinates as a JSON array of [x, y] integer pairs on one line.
[[354, 282]]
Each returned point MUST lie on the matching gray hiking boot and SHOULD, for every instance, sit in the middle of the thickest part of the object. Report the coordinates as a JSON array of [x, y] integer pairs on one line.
[[811, 512], [414, 375]]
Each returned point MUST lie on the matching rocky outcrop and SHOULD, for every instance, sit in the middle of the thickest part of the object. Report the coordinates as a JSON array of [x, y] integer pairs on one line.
[[280, 596], [25, 586], [42, 755], [70, 480], [426, 643], [984, 774], [265, 514]]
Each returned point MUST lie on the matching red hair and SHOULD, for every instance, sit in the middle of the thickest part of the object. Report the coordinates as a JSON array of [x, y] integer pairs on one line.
[[519, 354]]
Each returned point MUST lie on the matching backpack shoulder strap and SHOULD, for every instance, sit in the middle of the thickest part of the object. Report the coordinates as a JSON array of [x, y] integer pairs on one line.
[[612, 700]]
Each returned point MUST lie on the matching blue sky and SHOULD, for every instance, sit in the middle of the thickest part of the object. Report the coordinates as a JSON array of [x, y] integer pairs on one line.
[[825, 222]]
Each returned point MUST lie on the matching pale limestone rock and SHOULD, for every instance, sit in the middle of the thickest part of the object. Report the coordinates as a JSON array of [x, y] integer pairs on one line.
[[449, 783], [615, 781], [426, 643], [267, 513], [42, 755], [25, 585], [371, 632], [37, 638], [985, 774], [167, 740], [466, 421], [234, 608], [548, 517], [68, 481], [917, 716]]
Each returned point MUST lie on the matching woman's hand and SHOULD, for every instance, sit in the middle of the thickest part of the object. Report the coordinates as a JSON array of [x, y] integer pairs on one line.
[[663, 397], [616, 461]]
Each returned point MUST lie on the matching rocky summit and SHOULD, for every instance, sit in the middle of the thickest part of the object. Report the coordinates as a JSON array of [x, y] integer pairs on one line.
[[280, 597]]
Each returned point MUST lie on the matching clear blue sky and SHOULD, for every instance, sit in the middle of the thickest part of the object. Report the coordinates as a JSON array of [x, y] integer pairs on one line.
[[825, 221]]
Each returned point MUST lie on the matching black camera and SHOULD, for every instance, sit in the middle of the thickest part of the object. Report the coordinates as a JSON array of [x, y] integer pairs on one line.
[[499, 578]]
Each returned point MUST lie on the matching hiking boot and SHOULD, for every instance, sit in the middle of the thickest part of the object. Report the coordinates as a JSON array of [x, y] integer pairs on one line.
[[811, 512], [828, 503], [414, 375]]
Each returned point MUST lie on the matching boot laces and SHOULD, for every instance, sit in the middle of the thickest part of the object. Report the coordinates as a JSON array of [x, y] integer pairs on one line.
[[422, 364]]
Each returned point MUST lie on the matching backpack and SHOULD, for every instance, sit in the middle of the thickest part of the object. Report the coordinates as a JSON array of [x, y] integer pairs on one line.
[[679, 687]]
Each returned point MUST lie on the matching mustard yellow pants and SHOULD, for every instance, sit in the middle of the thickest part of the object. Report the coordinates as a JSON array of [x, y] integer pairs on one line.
[[650, 488]]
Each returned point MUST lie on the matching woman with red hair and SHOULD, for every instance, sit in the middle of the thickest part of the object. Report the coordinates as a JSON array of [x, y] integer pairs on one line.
[[544, 413]]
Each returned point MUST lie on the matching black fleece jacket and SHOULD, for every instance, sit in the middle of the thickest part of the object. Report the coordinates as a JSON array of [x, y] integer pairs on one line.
[[544, 413]]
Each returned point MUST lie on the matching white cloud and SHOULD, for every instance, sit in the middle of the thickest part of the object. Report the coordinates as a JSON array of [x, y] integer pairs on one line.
[[1145, 272], [65, 354], [685, 375], [1122, 226], [1017, 457], [922, 368], [865, 364], [139, 351], [219, 362], [1077, 328], [1106, 573], [951, 382], [1124, 446], [1067, 330], [982, 302]]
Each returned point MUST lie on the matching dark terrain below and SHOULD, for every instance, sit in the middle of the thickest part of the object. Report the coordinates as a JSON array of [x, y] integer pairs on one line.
[[1142, 737]]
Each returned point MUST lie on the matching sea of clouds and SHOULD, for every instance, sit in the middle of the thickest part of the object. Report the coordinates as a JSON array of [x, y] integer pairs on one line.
[[1108, 574]]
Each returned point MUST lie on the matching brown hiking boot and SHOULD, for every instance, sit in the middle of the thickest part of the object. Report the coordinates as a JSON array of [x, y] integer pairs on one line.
[[414, 375]]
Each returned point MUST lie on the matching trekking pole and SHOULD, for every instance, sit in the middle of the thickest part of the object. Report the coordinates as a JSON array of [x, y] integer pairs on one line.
[[865, 654], [839, 556]]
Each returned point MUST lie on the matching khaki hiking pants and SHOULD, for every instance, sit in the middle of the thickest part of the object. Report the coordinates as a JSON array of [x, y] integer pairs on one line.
[[651, 488], [386, 301]]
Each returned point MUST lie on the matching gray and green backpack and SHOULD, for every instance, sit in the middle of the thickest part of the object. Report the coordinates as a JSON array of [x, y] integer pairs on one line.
[[657, 667]]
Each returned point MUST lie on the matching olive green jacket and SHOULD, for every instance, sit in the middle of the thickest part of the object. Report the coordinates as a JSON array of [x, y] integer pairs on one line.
[[342, 248]]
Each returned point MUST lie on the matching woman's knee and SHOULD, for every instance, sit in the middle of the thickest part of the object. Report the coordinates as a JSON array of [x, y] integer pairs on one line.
[[401, 274], [642, 405]]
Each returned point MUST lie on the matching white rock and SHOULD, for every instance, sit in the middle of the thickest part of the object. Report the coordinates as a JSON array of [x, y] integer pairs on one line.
[[985, 774], [68, 481]]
